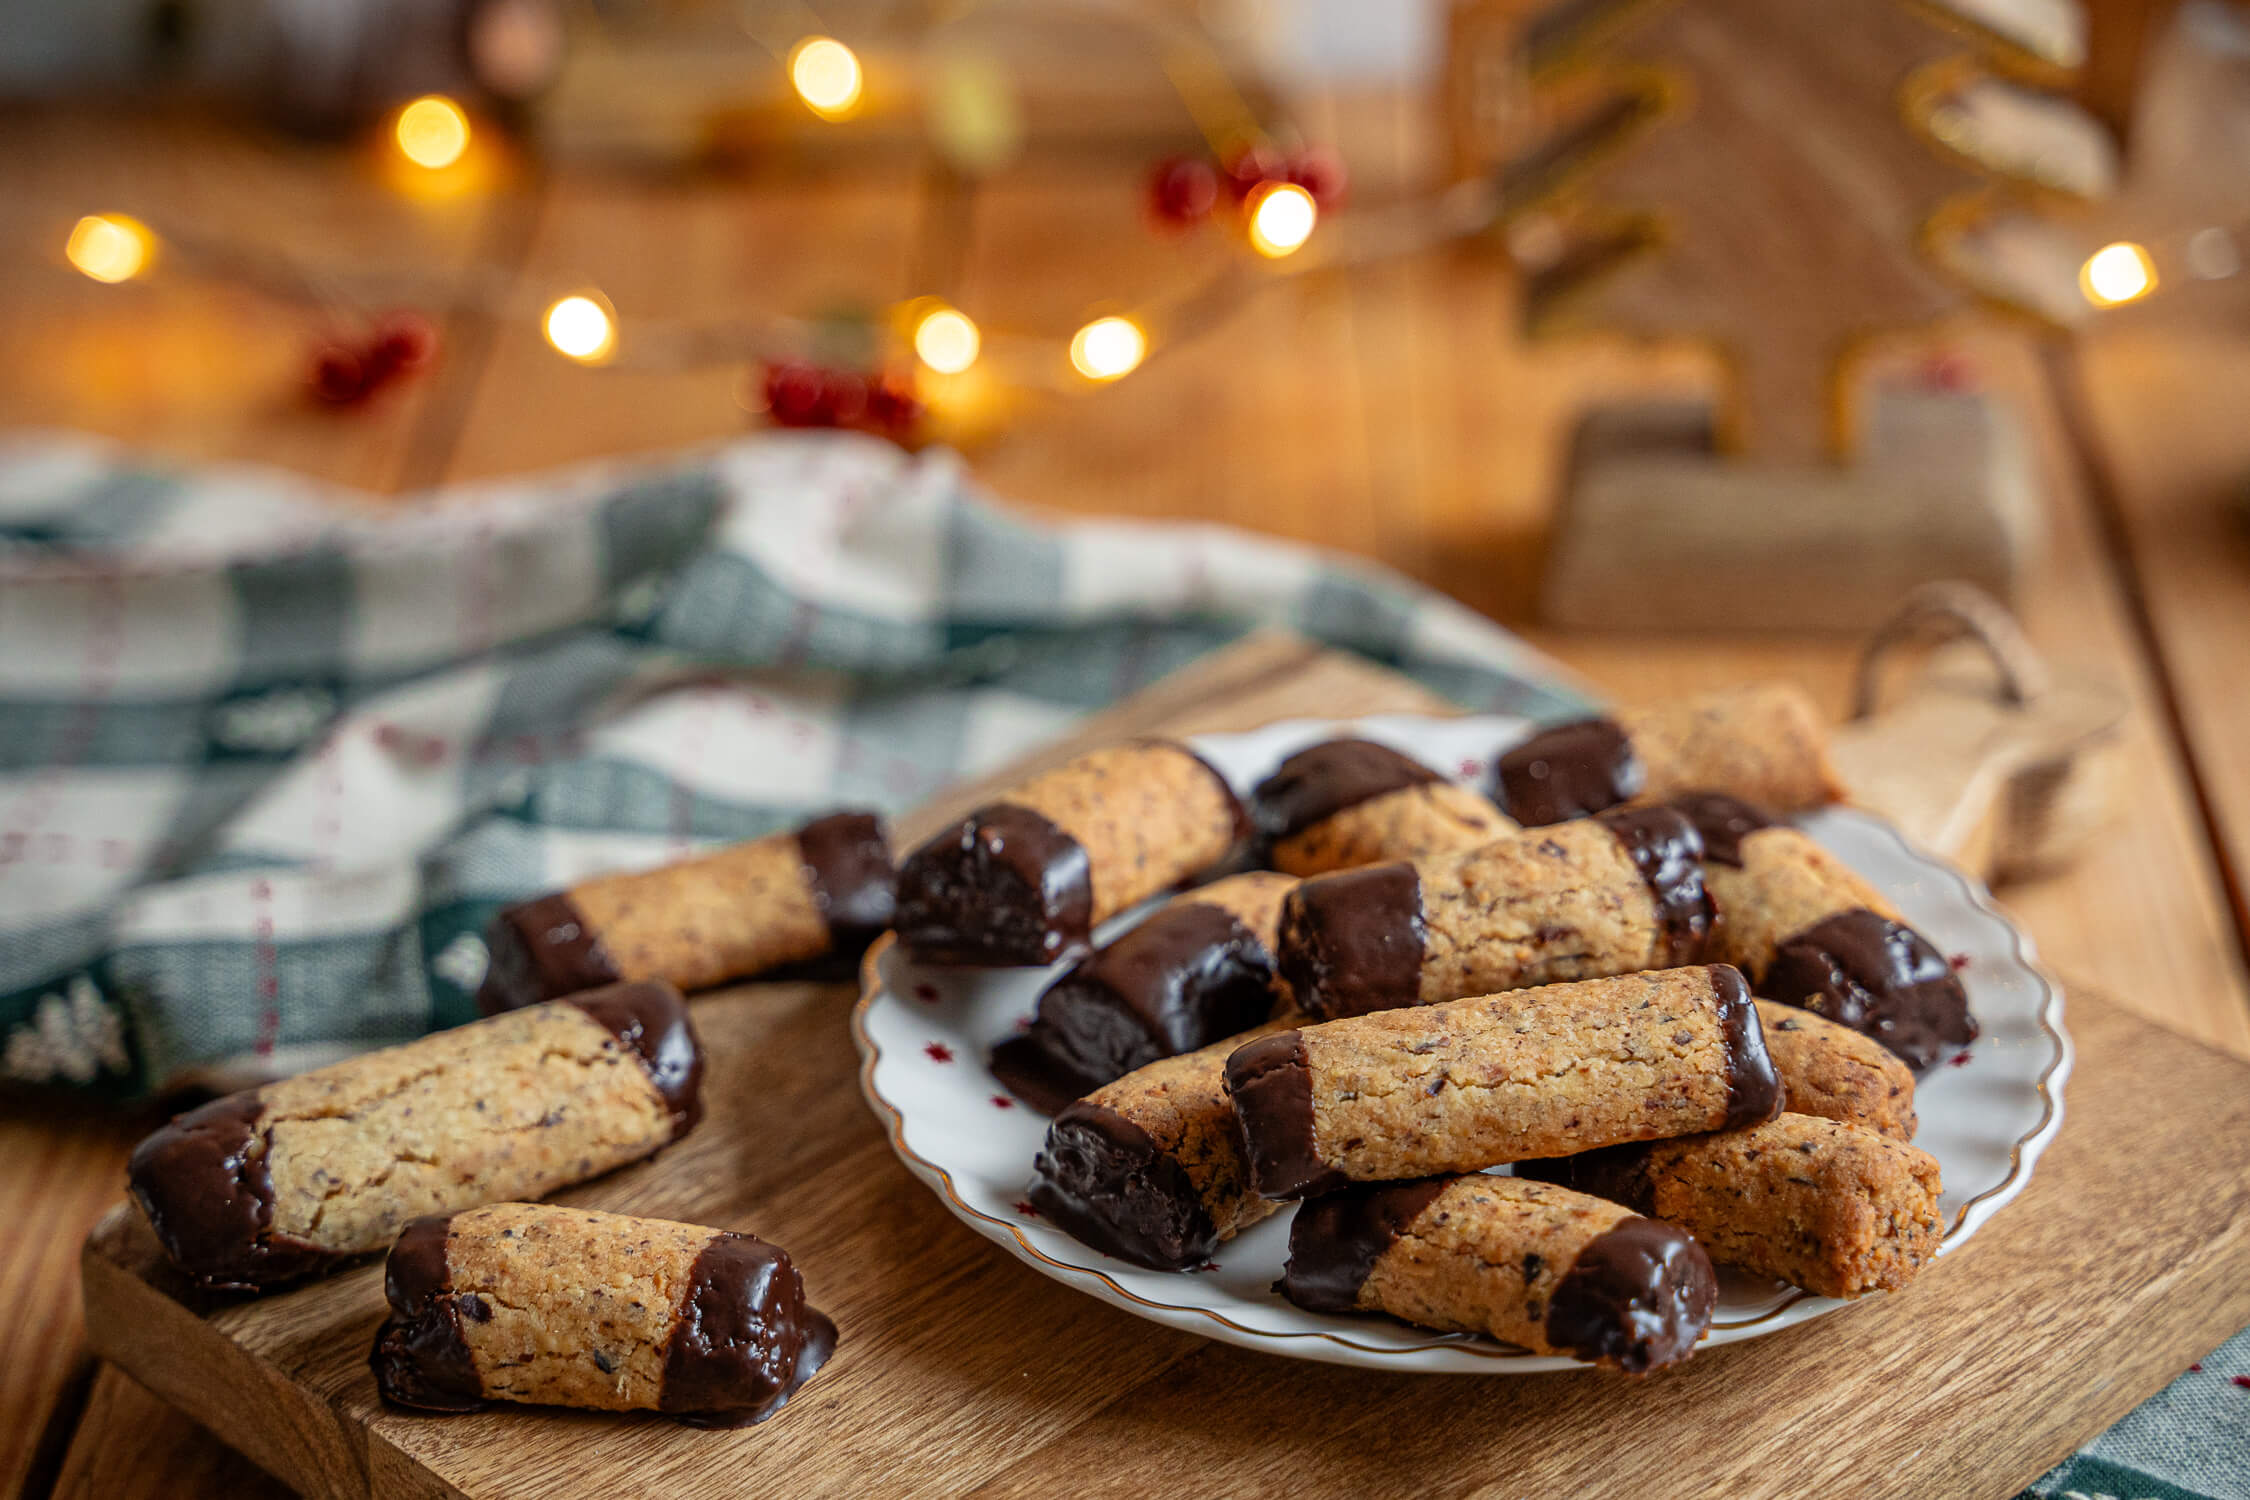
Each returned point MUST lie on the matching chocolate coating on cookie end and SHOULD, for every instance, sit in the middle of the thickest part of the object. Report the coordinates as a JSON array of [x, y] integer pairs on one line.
[[1863, 970], [1753, 1082], [650, 1018], [1271, 1086], [1570, 771], [1667, 850], [420, 1357], [541, 950], [1723, 823], [745, 1340], [1335, 1241], [203, 1185], [1191, 975], [1003, 886], [1638, 1297], [1107, 1183], [1352, 942], [1315, 784], [848, 869]]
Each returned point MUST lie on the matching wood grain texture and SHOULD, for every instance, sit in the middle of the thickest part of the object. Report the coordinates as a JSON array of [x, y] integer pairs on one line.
[[2178, 471], [963, 1371], [2147, 900]]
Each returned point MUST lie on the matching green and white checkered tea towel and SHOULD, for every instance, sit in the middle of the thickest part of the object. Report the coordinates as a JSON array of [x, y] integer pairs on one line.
[[270, 756]]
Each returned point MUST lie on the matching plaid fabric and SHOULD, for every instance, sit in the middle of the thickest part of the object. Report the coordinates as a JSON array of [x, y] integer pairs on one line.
[[270, 757]]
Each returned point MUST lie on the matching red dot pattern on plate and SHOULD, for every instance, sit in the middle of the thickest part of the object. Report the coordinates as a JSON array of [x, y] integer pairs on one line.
[[938, 1052], [927, 993], [1026, 1209], [1960, 1059], [1472, 768], [1959, 961], [1002, 1101]]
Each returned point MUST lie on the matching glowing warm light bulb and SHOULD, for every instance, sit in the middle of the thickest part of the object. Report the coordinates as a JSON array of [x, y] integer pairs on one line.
[[582, 328], [825, 73], [1282, 217], [1108, 348], [110, 247], [947, 341], [432, 132], [2117, 273]]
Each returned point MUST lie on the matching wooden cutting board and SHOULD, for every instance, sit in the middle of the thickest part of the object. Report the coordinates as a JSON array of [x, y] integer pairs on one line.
[[962, 1370]]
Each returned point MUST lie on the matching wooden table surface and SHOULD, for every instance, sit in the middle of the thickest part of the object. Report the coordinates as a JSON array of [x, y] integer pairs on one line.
[[1392, 413]]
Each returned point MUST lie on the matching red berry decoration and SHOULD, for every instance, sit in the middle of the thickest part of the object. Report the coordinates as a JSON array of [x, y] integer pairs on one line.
[[344, 374], [843, 398], [1320, 172], [338, 378], [803, 395], [1251, 168], [793, 396], [406, 341], [1182, 190], [893, 410]]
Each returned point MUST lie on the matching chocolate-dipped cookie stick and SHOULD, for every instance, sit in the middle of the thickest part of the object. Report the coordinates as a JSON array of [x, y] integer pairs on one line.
[[1834, 1208], [1763, 742], [1346, 803], [567, 1307], [1600, 896], [1198, 969], [732, 914], [1473, 1083], [1809, 932], [1836, 1073], [1026, 879], [282, 1181], [1528, 1263], [1149, 1168]]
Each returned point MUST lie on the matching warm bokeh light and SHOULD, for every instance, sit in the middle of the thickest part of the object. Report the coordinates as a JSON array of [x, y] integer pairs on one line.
[[2117, 273], [1108, 348], [582, 328], [432, 132], [825, 73], [110, 247], [1282, 217], [947, 341]]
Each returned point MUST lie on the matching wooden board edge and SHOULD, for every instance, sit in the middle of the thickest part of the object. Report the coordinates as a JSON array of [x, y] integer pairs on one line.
[[160, 1342]]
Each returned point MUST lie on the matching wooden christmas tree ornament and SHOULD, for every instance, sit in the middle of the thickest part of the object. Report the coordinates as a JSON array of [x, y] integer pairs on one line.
[[1773, 211]]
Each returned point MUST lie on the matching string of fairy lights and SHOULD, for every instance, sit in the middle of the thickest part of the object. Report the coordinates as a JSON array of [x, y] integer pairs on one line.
[[1277, 203], [1280, 207]]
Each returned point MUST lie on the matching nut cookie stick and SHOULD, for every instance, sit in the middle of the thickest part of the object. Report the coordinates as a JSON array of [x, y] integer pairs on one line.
[[1026, 879], [1150, 1168], [1608, 895], [282, 1181], [566, 1307], [1809, 932], [731, 914], [1837, 1073], [1345, 803], [1831, 1207], [1528, 1263], [1763, 742], [1474, 1083], [1199, 969]]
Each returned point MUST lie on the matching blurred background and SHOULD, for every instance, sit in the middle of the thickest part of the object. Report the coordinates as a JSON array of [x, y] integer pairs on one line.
[[1368, 270]]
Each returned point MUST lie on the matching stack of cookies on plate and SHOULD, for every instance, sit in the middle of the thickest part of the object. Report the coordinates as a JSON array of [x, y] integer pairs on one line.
[[1688, 1033]]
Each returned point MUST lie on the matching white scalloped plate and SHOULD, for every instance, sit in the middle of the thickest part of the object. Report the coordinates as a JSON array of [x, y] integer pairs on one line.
[[924, 1036]]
